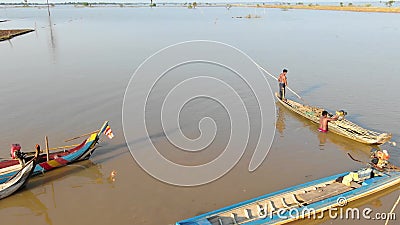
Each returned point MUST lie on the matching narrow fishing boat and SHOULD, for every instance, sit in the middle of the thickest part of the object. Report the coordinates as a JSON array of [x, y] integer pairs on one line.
[[341, 127], [20, 178], [57, 159], [303, 201]]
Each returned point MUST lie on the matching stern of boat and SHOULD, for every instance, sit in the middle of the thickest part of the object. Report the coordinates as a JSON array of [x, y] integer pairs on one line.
[[383, 138]]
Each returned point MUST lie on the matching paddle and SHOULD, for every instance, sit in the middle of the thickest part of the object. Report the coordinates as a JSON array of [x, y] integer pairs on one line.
[[390, 166], [356, 159]]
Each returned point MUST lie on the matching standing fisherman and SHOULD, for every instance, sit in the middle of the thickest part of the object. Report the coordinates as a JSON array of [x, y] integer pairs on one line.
[[282, 84]]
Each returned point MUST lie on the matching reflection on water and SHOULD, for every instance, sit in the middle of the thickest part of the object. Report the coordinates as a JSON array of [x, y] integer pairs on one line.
[[47, 187], [9, 41], [322, 140], [52, 39], [280, 122], [29, 200]]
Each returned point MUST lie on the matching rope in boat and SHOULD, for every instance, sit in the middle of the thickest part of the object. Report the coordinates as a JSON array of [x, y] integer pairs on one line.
[[265, 71]]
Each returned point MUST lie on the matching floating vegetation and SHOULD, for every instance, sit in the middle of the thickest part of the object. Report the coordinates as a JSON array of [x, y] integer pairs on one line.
[[249, 16]]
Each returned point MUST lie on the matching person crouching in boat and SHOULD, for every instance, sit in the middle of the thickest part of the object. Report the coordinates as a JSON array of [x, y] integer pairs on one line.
[[323, 121], [380, 158]]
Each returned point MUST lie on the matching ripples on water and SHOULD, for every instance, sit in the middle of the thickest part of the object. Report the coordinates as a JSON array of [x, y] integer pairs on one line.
[[69, 76]]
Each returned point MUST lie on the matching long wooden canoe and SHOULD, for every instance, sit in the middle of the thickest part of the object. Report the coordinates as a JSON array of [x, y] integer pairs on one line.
[[56, 159], [19, 179], [342, 127], [303, 201]]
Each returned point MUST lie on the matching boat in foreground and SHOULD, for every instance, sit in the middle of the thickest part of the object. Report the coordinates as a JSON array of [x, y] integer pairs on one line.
[[302, 201], [341, 127], [56, 159], [19, 179]]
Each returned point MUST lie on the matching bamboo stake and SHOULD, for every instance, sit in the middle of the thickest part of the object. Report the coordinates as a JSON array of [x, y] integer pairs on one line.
[[47, 147], [83, 135], [48, 7]]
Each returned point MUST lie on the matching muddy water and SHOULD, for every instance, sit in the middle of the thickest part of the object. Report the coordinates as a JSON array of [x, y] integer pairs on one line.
[[70, 75]]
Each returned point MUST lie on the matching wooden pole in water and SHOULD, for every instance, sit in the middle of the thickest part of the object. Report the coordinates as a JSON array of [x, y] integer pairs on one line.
[[47, 147], [48, 7]]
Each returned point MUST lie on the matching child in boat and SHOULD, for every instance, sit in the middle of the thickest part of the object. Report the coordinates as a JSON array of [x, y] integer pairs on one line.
[[323, 121], [282, 84]]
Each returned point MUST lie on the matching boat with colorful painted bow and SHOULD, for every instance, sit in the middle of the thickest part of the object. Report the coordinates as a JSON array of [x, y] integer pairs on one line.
[[341, 127], [60, 158], [20, 178], [307, 200]]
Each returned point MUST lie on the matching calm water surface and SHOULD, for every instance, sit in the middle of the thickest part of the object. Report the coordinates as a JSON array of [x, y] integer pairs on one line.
[[70, 75]]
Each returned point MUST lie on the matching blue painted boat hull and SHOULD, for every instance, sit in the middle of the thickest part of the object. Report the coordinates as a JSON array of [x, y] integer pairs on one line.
[[288, 214]]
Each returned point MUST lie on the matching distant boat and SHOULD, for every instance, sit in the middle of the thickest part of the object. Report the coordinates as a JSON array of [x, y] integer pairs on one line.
[[302, 201], [342, 127], [65, 156], [19, 179]]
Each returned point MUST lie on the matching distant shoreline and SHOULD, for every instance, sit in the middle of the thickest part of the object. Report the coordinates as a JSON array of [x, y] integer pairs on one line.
[[284, 6], [352, 8]]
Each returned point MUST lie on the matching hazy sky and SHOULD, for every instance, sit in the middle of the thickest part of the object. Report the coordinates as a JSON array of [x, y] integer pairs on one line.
[[209, 1]]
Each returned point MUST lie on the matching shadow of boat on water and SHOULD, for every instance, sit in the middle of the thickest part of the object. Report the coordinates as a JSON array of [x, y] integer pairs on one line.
[[43, 185], [42, 188], [28, 199], [85, 168]]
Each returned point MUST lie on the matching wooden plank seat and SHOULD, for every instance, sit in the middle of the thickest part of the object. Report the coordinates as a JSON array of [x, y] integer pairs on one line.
[[323, 193]]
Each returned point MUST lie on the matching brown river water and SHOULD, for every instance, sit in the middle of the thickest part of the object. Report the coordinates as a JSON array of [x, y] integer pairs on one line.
[[70, 75]]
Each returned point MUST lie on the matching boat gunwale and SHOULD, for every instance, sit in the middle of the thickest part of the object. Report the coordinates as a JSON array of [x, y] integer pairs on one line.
[[265, 196], [386, 181], [349, 196]]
